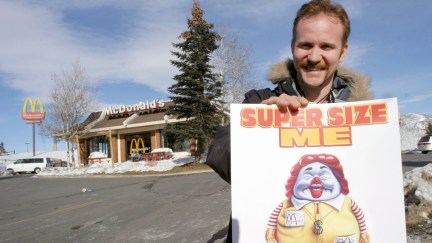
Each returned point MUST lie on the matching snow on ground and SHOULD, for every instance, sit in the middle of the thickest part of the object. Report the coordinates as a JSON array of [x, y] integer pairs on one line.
[[120, 167], [412, 129], [180, 158]]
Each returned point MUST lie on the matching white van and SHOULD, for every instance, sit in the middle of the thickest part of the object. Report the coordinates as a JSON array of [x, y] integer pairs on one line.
[[29, 165]]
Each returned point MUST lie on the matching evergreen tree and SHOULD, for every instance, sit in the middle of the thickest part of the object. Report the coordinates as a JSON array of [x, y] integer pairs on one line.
[[429, 129], [197, 92], [2, 148]]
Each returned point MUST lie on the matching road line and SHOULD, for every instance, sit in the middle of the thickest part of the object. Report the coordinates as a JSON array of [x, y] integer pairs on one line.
[[64, 210]]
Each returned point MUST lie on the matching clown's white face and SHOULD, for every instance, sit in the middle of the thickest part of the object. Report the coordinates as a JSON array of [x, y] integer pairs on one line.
[[316, 182]]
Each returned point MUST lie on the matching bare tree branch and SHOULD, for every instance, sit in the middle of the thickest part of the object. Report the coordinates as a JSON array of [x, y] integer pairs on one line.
[[234, 68], [71, 101]]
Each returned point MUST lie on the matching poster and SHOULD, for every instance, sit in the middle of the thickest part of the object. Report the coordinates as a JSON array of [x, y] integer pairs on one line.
[[331, 173]]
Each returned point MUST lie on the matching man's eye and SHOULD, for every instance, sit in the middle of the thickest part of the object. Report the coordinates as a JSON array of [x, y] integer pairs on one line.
[[326, 47], [305, 46]]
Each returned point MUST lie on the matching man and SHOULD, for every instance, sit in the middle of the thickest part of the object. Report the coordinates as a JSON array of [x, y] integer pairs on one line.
[[319, 43]]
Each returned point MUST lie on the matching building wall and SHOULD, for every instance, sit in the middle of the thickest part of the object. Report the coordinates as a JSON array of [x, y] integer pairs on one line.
[[123, 147], [83, 153], [117, 142], [113, 148], [155, 139]]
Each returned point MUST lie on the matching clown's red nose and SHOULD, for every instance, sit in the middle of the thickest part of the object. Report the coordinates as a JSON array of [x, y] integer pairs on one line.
[[316, 180]]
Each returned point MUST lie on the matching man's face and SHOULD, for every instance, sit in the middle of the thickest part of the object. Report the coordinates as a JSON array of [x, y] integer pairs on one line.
[[316, 182], [317, 50]]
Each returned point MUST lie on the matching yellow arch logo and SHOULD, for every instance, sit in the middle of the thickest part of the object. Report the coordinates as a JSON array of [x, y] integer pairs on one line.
[[136, 143], [34, 115]]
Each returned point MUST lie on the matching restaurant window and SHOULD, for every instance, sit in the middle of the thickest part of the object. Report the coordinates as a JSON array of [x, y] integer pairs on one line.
[[99, 144]]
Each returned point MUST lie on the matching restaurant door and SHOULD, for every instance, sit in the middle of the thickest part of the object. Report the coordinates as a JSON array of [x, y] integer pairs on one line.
[[137, 145]]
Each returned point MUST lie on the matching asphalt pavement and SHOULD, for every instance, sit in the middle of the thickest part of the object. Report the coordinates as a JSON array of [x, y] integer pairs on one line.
[[176, 208], [415, 160]]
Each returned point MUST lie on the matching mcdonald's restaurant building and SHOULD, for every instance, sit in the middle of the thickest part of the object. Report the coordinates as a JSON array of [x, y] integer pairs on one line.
[[120, 131]]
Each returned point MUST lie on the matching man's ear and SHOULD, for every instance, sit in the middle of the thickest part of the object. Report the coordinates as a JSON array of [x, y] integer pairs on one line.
[[344, 52]]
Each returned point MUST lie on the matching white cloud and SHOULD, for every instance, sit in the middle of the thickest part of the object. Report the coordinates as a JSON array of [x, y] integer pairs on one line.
[[37, 43], [354, 8], [262, 11], [356, 54], [415, 99], [258, 9]]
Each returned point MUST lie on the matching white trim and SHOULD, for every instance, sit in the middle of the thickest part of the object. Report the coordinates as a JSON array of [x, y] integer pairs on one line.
[[130, 119], [93, 123], [134, 125]]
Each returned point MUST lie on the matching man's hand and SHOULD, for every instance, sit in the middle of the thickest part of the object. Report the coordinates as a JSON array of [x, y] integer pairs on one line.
[[286, 102], [270, 236]]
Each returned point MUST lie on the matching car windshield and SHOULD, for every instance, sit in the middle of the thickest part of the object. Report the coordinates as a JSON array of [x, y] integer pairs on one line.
[[424, 139]]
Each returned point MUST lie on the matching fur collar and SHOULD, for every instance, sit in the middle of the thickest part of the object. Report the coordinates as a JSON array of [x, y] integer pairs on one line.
[[358, 83]]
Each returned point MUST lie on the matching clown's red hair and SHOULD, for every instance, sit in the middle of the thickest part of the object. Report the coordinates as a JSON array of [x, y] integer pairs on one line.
[[327, 159]]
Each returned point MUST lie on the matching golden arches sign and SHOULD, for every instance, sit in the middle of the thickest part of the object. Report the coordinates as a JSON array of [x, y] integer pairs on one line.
[[137, 143], [34, 115]]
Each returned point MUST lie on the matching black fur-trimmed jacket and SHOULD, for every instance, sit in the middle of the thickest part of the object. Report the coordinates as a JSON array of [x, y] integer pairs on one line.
[[347, 86]]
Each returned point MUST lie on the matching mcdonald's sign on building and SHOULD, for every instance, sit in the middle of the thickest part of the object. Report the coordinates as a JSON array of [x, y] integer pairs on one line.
[[135, 146], [36, 113]]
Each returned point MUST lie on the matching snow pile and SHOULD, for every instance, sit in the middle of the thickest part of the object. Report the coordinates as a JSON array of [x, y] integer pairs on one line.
[[417, 182], [95, 155], [418, 204], [162, 150], [412, 129], [120, 167], [179, 158], [418, 193]]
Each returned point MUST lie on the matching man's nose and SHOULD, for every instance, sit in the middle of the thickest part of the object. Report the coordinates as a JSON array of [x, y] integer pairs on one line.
[[314, 56]]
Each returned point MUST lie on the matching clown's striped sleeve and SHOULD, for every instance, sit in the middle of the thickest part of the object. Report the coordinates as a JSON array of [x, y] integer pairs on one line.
[[359, 215], [272, 222]]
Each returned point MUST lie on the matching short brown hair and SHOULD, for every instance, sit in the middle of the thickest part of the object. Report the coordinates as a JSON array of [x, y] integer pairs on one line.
[[327, 7]]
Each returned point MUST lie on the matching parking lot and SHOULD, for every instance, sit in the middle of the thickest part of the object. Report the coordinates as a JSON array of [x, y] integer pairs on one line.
[[178, 208]]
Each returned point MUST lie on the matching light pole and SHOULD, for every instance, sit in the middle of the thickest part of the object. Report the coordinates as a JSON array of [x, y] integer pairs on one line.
[[27, 146]]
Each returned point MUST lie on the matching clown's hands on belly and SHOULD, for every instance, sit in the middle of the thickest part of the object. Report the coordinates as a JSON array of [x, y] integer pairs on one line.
[[270, 236], [364, 238]]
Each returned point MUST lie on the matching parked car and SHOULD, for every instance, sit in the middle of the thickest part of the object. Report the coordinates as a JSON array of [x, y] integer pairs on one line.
[[33, 165], [425, 144], [64, 164]]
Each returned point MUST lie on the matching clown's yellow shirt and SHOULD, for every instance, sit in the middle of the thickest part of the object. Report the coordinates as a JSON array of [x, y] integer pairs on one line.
[[297, 226]]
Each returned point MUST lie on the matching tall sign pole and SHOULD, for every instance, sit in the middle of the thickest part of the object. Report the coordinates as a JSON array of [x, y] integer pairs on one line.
[[34, 140], [34, 116]]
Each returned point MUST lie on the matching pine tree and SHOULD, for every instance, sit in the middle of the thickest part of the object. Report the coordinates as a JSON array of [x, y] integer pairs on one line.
[[196, 95], [429, 129], [2, 148]]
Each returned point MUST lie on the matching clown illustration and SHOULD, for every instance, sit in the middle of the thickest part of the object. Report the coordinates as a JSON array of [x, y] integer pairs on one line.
[[317, 208]]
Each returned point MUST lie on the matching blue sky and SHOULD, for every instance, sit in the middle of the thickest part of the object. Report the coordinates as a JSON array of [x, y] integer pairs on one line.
[[125, 48]]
